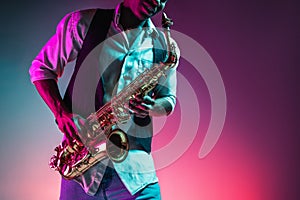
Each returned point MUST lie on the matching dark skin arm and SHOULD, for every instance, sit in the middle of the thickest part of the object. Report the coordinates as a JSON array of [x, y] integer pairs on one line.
[[49, 91]]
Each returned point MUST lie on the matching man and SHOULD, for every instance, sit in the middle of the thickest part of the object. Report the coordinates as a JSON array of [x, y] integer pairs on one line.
[[131, 44]]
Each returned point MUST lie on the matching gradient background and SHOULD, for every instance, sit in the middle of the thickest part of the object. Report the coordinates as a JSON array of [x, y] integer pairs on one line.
[[255, 46]]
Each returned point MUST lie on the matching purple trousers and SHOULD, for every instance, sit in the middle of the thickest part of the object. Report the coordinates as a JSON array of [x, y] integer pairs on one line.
[[111, 188]]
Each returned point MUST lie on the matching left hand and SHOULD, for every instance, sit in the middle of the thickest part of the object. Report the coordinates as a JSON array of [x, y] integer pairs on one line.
[[145, 106]]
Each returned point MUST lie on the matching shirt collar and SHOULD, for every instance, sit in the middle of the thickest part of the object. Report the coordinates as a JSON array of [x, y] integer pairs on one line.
[[150, 28]]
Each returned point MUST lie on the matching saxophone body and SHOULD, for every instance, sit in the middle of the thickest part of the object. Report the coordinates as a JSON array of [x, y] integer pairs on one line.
[[100, 139]]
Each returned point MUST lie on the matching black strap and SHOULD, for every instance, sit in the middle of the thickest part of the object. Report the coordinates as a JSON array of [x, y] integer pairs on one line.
[[96, 34]]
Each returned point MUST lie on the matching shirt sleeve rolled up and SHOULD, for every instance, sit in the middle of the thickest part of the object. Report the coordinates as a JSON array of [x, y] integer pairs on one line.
[[60, 49]]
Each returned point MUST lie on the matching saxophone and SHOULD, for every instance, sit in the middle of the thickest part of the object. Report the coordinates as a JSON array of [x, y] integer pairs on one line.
[[100, 140]]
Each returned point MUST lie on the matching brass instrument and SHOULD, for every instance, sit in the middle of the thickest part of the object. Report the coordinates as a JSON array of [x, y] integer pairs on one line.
[[99, 141]]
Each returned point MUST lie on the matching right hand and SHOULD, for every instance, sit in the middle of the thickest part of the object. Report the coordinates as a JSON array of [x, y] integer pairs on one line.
[[71, 125]]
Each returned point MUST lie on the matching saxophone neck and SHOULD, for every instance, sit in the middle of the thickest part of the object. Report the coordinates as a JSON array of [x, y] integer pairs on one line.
[[172, 56]]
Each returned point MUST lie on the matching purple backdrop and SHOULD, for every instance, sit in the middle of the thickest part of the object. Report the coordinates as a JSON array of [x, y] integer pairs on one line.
[[254, 44]]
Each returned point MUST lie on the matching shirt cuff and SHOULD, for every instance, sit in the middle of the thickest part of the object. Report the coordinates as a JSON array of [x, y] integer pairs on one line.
[[172, 101], [40, 73]]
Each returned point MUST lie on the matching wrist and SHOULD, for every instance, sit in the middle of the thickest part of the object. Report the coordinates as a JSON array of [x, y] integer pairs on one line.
[[61, 111], [161, 107]]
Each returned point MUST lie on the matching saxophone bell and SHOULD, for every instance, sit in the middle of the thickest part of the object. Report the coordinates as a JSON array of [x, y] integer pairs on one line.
[[117, 146], [72, 161]]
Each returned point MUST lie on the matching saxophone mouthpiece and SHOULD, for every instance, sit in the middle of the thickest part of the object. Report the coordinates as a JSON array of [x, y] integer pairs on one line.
[[166, 22], [164, 16]]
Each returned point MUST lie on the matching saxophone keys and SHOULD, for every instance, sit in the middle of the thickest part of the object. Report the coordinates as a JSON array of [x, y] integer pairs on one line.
[[95, 126], [53, 163]]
